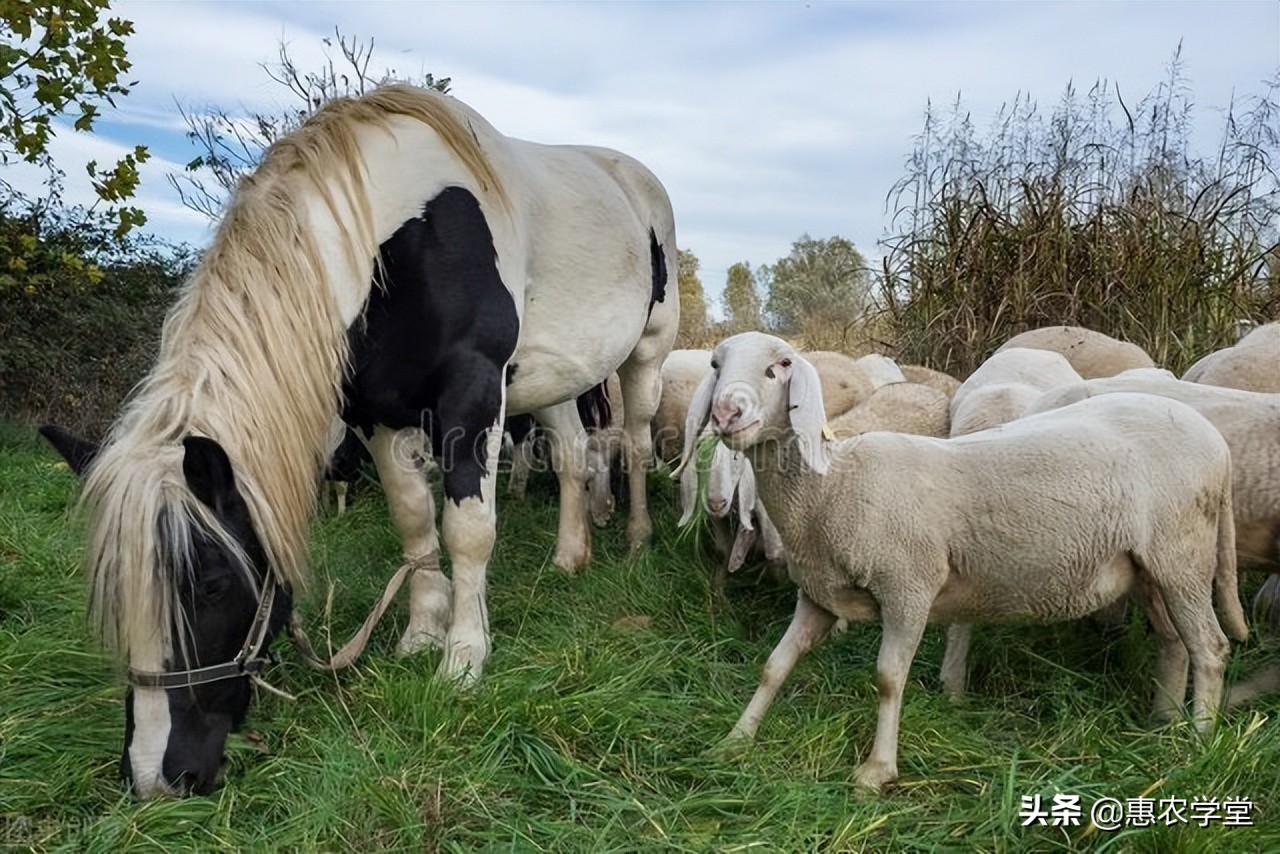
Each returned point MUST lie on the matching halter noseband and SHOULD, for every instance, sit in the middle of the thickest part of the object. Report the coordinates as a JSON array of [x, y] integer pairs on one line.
[[249, 661]]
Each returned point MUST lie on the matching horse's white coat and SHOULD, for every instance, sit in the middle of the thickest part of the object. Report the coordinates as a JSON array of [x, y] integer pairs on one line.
[[252, 356]]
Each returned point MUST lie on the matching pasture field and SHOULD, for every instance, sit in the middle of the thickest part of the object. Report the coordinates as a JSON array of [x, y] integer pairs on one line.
[[593, 728]]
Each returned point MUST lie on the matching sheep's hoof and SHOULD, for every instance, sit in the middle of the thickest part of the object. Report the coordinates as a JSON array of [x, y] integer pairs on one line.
[[874, 776]]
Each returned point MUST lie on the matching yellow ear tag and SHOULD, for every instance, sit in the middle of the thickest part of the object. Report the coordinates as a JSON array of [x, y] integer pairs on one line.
[[826, 432]]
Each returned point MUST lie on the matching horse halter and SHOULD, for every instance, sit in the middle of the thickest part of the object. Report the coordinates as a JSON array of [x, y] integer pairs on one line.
[[249, 661]]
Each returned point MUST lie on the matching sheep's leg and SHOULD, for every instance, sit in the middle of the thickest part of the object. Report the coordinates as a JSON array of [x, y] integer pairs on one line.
[[568, 458], [1263, 682], [600, 453], [399, 456], [903, 628], [809, 625], [340, 493], [521, 464], [1193, 615], [955, 661], [641, 380], [1171, 663]]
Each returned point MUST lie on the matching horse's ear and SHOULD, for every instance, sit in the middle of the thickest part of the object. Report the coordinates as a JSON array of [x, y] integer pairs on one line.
[[79, 453], [808, 416], [696, 419], [207, 469]]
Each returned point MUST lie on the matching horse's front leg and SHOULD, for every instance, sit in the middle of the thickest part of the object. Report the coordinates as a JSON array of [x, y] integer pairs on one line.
[[471, 433], [400, 458]]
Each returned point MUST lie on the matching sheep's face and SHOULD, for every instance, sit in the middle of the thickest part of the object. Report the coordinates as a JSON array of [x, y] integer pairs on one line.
[[749, 402], [760, 390]]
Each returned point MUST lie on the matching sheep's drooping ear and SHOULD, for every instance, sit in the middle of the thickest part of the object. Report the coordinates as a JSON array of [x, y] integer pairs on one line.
[[807, 414], [699, 411], [746, 489], [688, 493]]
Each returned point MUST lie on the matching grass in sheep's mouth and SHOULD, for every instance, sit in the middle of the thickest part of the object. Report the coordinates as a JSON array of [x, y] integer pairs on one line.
[[594, 726]]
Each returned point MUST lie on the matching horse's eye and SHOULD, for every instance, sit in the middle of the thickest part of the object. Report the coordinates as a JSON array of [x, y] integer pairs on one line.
[[214, 588]]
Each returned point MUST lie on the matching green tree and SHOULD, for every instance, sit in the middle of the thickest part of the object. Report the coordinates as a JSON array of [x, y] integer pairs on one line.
[[231, 144], [822, 284], [693, 302], [741, 300], [65, 58]]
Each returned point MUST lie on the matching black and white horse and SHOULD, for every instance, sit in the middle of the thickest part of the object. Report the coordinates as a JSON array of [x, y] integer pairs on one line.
[[397, 261]]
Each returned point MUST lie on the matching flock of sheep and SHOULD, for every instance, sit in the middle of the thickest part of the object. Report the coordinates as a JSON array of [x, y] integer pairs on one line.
[[1067, 476]]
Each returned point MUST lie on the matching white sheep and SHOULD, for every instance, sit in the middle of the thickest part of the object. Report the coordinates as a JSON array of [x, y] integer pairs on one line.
[[905, 407], [944, 383], [880, 369], [1004, 386], [1253, 364], [1092, 354], [844, 382], [681, 373], [1118, 492]]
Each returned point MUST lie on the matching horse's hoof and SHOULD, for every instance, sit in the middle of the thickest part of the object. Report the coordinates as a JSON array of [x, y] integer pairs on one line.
[[413, 642]]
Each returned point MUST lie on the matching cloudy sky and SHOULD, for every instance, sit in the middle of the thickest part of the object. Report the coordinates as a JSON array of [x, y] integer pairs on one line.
[[764, 120]]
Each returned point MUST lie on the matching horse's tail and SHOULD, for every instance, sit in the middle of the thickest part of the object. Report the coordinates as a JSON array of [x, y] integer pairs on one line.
[[1226, 578], [594, 408]]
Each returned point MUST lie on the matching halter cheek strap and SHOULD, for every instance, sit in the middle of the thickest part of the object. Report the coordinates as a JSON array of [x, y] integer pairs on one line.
[[249, 661]]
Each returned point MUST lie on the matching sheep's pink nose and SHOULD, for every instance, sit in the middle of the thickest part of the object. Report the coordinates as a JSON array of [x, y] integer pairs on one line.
[[725, 412], [718, 506]]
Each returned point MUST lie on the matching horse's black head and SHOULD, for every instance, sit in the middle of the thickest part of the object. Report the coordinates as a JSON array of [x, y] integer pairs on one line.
[[174, 737]]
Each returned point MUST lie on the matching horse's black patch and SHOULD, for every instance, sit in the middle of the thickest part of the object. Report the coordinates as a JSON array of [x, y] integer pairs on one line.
[[437, 331], [658, 261], [348, 459], [511, 372]]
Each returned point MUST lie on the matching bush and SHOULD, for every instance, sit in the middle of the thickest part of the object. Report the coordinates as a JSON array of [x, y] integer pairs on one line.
[[80, 315], [1098, 217]]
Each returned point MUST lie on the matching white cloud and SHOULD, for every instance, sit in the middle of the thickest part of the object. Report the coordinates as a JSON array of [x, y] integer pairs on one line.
[[764, 120]]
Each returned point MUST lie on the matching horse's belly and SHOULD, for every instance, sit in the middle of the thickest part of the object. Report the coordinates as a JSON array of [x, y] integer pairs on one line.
[[571, 342]]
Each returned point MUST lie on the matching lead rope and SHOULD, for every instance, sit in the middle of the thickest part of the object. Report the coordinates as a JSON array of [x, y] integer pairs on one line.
[[346, 656]]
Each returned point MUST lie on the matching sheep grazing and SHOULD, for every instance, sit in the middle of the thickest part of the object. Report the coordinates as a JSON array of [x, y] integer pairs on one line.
[[1253, 364], [1044, 519], [1091, 354], [1005, 386]]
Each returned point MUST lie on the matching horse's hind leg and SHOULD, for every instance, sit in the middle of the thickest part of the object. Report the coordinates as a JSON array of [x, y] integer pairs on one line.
[[400, 456], [569, 459], [641, 378]]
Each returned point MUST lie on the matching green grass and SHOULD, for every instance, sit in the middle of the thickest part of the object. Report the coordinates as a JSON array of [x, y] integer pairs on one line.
[[591, 734]]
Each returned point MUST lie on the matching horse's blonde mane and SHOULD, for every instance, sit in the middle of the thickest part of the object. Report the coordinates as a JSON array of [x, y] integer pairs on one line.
[[252, 355]]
